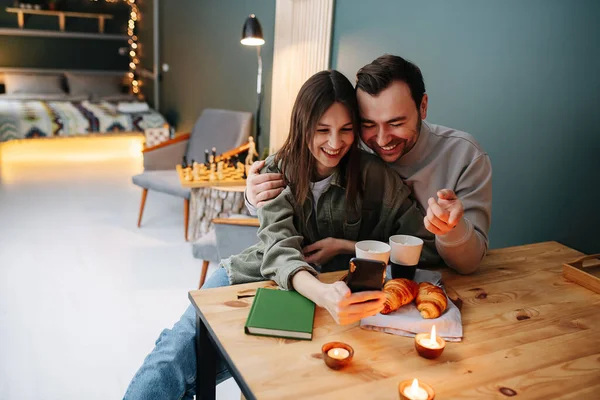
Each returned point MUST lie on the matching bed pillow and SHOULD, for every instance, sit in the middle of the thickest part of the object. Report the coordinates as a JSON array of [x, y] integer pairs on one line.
[[94, 86], [42, 97], [33, 84]]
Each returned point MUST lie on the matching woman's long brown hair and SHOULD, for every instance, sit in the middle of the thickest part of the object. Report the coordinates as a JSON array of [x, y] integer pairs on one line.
[[296, 161]]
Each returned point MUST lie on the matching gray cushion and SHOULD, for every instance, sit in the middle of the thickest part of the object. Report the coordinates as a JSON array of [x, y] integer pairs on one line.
[[162, 181], [221, 129], [33, 84], [224, 240], [233, 239], [94, 85], [205, 248]]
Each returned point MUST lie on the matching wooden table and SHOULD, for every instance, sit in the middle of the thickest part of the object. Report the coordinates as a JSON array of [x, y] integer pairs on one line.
[[528, 332]]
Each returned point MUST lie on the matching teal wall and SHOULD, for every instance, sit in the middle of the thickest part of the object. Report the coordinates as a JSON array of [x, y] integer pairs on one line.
[[523, 77], [200, 40], [65, 53]]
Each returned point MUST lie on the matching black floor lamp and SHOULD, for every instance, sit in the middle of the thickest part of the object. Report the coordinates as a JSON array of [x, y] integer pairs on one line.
[[252, 36]]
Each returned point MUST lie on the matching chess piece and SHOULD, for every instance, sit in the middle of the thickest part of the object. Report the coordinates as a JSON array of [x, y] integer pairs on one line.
[[240, 167], [214, 153], [206, 157], [220, 170], [184, 163], [212, 176], [187, 173], [196, 170], [251, 151]]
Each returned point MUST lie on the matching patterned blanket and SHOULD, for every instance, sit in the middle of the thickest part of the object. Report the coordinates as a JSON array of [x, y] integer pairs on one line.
[[28, 119]]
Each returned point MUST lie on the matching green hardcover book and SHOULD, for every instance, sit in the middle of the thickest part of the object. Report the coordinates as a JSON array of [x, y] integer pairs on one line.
[[281, 313]]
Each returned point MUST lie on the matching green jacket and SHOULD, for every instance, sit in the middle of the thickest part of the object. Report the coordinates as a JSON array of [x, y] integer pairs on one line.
[[385, 209]]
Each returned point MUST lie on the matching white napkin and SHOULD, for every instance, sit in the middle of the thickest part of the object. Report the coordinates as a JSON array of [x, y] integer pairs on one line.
[[407, 321]]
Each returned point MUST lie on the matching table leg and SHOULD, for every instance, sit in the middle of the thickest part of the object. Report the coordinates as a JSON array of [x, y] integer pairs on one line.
[[206, 363]]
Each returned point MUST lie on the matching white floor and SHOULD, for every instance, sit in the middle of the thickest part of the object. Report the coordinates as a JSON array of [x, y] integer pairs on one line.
[[84, 293]]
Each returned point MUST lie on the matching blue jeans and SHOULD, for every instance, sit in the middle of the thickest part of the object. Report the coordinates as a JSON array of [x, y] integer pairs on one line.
[[169, 371]]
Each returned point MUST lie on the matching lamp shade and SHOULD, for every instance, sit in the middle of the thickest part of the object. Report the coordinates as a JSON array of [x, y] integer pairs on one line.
[[252, 32]]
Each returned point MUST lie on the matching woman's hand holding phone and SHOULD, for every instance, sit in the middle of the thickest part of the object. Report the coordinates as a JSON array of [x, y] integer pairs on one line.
[[346, 307]]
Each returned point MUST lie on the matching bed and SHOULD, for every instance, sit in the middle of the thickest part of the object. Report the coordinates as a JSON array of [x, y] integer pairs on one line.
[[25, 119], [62, 105]]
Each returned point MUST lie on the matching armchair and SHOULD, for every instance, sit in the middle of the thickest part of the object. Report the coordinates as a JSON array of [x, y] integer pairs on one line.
[[230, 235], [222, 129]]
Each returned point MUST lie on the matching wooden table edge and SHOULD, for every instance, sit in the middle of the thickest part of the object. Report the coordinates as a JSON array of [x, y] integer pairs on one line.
[[235, 373]]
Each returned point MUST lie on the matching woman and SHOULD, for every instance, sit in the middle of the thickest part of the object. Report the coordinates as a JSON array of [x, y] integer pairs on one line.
[[334, 192]]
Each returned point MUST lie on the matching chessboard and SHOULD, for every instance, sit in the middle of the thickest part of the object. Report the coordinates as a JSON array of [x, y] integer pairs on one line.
[[200, 176]]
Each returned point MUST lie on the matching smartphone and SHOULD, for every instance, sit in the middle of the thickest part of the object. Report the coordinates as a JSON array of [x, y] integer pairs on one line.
[[365, 274]]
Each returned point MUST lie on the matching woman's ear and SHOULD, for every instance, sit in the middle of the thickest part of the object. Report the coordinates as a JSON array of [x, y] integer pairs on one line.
[[423, 109]]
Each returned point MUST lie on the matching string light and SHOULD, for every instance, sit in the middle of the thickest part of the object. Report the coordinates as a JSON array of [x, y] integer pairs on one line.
[[134, 15]]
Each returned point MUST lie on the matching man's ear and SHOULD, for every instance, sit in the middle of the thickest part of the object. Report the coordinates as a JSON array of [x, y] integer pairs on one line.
[[423, 108]]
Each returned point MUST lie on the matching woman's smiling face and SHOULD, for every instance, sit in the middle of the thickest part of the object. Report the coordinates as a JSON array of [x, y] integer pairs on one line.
[[332, 140]]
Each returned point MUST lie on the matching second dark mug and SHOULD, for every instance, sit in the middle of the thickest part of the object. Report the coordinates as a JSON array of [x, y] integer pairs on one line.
[[403, 271]]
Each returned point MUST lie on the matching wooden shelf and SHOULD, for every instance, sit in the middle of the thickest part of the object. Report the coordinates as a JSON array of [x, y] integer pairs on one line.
[[58, 34], [62, 15]]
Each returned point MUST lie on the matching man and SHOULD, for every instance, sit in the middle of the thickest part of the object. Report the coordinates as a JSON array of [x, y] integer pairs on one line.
[[449, 173]]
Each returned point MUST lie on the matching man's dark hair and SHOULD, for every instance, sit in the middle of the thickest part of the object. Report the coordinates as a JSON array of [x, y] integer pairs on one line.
[[373, 78]]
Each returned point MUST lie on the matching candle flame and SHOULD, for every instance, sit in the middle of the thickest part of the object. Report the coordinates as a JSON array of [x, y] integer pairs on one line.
[[336, 352], [415, 385], [432, 337]]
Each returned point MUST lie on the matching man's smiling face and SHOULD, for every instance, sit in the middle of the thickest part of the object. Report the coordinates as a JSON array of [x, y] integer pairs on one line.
[[391, 120]]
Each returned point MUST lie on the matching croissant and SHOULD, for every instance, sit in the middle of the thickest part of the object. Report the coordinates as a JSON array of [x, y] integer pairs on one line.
[[431, 300], [398, 292]]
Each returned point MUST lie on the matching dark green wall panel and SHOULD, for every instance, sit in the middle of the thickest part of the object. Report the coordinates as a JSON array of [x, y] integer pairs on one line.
[[67, 53], [523, 78], [200, 40], [30, 52]]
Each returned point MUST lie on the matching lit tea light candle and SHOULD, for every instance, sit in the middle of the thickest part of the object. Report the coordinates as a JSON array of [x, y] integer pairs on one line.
[[415, 390], [432, 342], [338, 353], [429, 345]]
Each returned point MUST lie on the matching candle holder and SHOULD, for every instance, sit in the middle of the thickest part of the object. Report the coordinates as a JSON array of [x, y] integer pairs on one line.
[[405, 384], [421, 340], [336, 363]]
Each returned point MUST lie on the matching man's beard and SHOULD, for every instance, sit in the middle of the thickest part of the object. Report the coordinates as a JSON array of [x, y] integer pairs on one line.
[[419, 124], [409, 146]]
